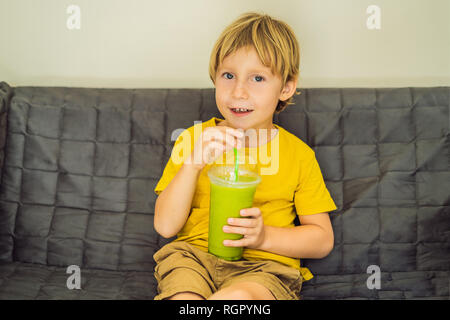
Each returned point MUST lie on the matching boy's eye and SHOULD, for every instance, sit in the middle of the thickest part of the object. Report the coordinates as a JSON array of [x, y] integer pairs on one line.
[[258, 78], [226, 75]]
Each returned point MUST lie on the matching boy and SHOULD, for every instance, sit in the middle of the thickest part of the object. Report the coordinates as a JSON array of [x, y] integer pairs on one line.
[[254, 67]]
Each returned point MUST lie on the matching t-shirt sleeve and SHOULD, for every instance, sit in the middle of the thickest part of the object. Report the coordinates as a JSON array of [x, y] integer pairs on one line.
[[311, 195], [180, 150]]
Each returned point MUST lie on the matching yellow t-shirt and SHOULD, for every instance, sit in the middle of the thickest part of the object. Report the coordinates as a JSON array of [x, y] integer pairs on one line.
[[291, 183]]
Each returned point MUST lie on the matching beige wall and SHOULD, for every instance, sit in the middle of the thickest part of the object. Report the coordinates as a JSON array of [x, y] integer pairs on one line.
[[166, 44]]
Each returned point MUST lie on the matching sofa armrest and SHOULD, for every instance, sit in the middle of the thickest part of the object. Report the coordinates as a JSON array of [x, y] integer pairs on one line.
[[5, 96]]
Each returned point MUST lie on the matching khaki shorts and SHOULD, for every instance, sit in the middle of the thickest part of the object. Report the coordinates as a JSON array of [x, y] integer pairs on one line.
[[182, 267]]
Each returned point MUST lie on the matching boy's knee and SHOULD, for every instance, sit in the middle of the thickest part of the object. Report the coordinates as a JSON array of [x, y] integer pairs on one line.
[[240, 294], [232, 294], [236, 292], [186, 295]]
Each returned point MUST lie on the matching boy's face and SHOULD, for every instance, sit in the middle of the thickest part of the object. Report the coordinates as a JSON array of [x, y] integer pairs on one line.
[[242, 81]]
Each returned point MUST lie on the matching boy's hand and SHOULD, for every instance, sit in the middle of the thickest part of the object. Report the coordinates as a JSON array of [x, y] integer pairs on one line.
[[214, 141], [252, 228]]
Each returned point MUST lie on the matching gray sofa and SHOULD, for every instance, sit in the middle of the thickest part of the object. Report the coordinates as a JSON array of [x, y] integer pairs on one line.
[[79, 165]]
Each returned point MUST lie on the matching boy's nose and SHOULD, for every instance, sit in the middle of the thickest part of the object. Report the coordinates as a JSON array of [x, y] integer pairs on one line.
[[240, 92]]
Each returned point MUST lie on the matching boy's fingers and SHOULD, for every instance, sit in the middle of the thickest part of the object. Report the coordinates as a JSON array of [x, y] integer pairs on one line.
[[242, 222], [238, 133], [234, 133], [222, 131], [236, 243], [231, 141], [237, 230], [212, 151], [253, 212], [224, 137]]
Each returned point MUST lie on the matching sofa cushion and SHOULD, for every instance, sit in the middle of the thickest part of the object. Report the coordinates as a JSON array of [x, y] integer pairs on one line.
[[20, 281]]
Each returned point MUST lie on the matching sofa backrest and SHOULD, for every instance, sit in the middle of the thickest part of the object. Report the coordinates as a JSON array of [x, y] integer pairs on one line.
[[81, 164]]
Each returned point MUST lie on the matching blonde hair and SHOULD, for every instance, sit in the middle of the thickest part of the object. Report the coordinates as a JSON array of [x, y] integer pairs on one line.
[[273, 40]]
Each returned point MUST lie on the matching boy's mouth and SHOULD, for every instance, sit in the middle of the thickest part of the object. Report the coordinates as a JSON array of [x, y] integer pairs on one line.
[[239, 112]]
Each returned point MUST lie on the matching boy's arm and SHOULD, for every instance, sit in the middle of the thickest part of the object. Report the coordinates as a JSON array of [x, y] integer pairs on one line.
[[313, 239], [173, 204]]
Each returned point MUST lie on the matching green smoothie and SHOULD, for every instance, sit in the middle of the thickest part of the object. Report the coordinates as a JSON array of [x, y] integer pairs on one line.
[[227, 198]]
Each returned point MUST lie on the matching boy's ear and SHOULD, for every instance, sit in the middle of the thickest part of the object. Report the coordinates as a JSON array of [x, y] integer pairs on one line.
[[288, 90]]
